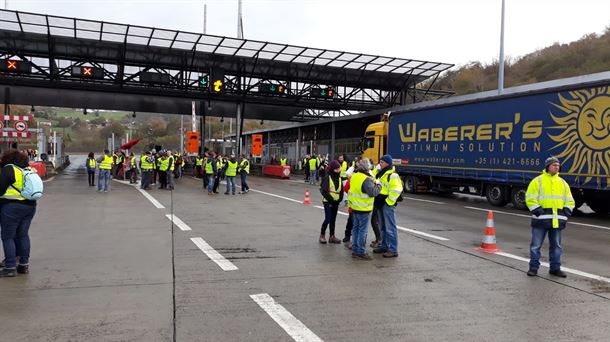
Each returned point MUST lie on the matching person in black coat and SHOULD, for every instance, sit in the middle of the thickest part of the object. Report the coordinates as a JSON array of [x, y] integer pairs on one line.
[[331, 189]]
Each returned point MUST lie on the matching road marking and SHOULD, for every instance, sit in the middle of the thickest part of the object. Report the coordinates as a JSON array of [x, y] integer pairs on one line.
[[530, 216], [278, 196], [565, 269], [49, 179], [423, 200], [417, 232], [225, 264], [151, 199], [295, 328], [183, 226]]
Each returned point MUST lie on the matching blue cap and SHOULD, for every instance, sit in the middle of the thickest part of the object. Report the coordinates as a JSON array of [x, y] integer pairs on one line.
[[387, 158]]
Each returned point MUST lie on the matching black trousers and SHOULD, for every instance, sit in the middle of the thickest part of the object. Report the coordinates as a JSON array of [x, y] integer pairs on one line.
[[375, 223], [348, 227], [163, 179], [216, 182], [91, 177]]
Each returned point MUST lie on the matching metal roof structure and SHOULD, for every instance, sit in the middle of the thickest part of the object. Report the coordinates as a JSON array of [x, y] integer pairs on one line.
[[55, 44]]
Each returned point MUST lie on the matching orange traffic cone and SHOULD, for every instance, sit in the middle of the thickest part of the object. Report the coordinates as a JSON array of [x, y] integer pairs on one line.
[[306, 201], [489, 239]]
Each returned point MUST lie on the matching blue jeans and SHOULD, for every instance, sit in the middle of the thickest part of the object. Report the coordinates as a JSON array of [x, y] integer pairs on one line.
[[538, 235], [244, 184], [15, 219], [210, 182], [145, 179], [389, 232], [230, 184], [103, 177], [359, 229], [330, 217]]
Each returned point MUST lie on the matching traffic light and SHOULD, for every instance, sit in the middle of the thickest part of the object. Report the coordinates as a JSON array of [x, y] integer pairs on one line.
[[203, 81], [87, 72], [217, 80], [327, 93], [15, 66], [271, 88]]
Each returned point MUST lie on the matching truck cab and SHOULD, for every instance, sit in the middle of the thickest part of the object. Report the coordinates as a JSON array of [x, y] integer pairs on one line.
[[374, 143]]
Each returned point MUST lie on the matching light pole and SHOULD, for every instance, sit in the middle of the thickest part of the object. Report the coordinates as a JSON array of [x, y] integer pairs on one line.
[[501, 61]]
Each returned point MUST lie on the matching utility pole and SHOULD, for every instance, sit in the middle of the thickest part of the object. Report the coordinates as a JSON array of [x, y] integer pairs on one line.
[[501, 61]]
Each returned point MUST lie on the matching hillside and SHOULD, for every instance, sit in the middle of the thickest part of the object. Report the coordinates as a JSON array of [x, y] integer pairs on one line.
[[588, 55]]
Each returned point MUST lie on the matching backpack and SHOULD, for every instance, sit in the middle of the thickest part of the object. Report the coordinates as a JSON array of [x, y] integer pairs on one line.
[[32, 184]]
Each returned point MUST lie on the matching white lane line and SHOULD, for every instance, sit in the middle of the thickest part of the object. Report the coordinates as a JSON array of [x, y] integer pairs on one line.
[[151, 199], [225, 264], [570, 222], [295, 328], [412, 231], [175, 219], [565, 269], [278, 196], [417, 232], [422, 200]]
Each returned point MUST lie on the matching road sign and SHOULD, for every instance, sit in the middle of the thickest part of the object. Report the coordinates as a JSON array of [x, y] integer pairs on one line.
[[20, 126], [327, 92]]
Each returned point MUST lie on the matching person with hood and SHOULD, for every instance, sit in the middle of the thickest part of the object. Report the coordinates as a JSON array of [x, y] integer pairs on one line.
[[90, 164], [550, 201], [361, 196], [16, 214], [331, 189]]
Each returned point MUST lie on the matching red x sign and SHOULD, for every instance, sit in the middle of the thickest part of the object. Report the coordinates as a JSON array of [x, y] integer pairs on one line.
[[11, 65], [87, 71]]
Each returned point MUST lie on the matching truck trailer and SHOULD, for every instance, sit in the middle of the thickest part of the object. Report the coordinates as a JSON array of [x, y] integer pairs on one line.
[[494, 144]]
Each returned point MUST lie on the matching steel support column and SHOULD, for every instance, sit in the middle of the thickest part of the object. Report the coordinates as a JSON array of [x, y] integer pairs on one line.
[[332, 141]]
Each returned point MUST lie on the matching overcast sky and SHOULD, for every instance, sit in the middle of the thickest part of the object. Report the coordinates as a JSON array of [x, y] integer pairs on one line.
[[449, 31]]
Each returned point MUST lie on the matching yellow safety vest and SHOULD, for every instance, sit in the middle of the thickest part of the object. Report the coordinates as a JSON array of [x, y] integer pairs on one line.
[[344, 170], [146, 166], [231, 169], [552, 194], [359, 200], [244, 165], [219, 165], [171, 163], [283, 161], [391, 186], [313, 164], [132, 161], [209, 168], [106, 163], [164, 164], [333, 190], [92, 163], [12, 193], [199, 162]]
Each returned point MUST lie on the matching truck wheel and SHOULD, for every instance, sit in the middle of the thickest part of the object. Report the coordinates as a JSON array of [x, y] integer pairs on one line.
[[410, 184], [517, 198], [599, 207], [496, 195]]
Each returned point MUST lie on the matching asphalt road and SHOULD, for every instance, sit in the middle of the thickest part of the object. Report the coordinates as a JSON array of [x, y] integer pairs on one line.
[[113, 267]]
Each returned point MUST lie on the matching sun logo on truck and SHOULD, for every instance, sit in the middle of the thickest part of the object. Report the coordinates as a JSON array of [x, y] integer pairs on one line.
[[585, 131]]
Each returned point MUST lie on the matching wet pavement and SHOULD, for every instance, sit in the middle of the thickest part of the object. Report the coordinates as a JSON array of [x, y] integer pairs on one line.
[[112, 267]]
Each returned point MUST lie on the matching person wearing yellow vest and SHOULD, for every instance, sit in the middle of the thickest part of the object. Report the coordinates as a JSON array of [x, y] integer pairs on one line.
[[210, 171], [219, 172], [230, 173], [244, 171], [283, 161], [550, 201], [133, 169], [16, 214], [90, 165], [147, 164], [331, 189], [105, 168], [199, 166], [306, 167], [313, 164], [163, 163], [390, 194], [361, 196]]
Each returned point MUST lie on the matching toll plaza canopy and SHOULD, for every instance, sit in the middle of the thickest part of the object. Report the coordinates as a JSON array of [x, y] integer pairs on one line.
[[70, 62]]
